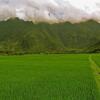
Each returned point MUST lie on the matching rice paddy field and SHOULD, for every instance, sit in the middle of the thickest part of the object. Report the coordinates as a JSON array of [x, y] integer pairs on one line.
[[50, 77]]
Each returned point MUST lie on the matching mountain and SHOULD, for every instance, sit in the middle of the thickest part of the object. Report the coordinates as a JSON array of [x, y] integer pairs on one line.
[[20, 37]]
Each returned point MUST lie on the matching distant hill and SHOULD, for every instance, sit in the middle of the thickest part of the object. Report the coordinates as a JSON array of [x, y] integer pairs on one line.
[[19, 37]]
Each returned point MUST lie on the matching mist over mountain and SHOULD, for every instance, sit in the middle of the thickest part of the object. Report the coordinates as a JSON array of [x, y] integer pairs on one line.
[[25, 26], [50, 10]]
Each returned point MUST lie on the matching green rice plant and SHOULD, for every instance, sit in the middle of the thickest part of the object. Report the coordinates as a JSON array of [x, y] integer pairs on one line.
[[47, 77]]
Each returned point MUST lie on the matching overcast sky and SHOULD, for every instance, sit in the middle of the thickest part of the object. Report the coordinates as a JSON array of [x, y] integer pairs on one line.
[[50, 10]]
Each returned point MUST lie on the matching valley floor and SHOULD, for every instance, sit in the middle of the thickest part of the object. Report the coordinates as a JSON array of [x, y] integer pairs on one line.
[[50, 77]]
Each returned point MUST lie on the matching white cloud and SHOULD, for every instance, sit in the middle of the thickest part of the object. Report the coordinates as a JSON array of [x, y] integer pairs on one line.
[[50, 10]]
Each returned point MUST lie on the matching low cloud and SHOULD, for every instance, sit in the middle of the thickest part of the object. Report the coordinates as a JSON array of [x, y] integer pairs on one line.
[[50, 10]]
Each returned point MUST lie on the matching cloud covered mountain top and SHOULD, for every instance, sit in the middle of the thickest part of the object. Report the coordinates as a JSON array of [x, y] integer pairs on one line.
[[50, 10]]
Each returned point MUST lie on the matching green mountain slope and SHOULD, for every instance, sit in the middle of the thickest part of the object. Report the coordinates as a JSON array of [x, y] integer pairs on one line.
[[17, 36]]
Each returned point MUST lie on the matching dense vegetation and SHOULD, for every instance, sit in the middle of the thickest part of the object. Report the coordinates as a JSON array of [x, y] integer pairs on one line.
[[17, 36], [47, 77]]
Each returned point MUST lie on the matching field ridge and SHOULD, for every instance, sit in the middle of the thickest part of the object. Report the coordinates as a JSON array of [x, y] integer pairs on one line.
[[96, 72]]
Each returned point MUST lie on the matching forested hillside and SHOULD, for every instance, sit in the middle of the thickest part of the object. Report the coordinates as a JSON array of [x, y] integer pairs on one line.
[[19, 37]]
